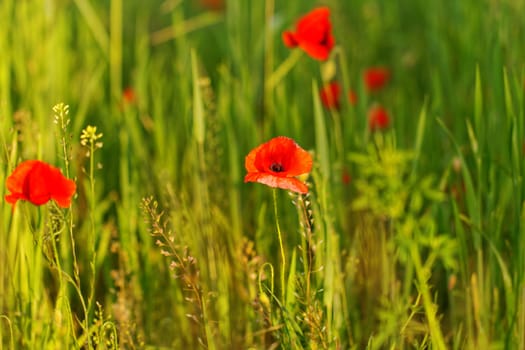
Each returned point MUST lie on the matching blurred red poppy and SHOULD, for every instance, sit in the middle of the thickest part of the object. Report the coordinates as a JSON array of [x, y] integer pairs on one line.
[[346, 178], [330, 95], [215, 5], [277, 162], [39, 182], [378, 118], [457, 190], [129, 96], [313, 34], [352, 97], [376, 78]]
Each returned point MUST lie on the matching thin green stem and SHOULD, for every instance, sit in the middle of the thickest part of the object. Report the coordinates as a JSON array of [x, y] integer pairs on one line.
[[62, 111], [11, 333], [283, 257], [61, 291], [282, 70], [306, 243], [260, 278], [92, 234], [89, 139], [428, 304], [61, 117]]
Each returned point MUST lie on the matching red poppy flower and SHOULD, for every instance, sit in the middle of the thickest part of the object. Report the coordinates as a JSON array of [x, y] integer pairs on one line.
[[376, 78], [457, 190], [330, 95], [129, 96], [277, 162], [214, 5], [378, 118], [313, 34], [39, 182], [352, 97], [346, 178]]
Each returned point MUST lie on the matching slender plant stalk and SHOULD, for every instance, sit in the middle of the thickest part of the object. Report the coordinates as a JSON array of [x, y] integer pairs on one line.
[[282, 70], [306, 244], [11, 334], [90, 139], [61, 118], [428, 304], [91, 239], [283, 257], [115, 49], [61, 290]]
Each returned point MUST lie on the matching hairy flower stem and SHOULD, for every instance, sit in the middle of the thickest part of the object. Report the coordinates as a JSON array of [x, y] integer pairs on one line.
[[283, 257], [61, 286], [91, 140], [428, 304], [92, 220], [61, 118]]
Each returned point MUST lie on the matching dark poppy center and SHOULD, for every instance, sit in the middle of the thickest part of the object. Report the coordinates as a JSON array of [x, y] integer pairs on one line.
[[324, 40], [276, 167]]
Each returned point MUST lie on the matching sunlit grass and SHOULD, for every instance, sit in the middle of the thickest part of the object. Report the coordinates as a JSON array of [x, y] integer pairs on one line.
[[410, 237]]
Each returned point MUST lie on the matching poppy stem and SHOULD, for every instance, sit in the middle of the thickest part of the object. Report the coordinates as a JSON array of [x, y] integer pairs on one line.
[[61, 299], [283, 257], [282, 70]]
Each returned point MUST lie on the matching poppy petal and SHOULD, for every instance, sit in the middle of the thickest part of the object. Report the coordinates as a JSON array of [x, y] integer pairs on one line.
[[269, 153], [319, 51], [330, 95], [38, 182], [352, 97], [378, 118], [15, 181], [300, 163], [285, 183], [284, 151], [289, 39], [314, 24], [313, 34], [376, 78], [36, 185], [13, 197], [61, 189], [249, 161], [276, 162]]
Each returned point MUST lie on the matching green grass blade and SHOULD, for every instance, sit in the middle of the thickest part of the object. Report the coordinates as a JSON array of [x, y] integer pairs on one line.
[[198, 107], [94, 23], [421, 127], [321, 139]]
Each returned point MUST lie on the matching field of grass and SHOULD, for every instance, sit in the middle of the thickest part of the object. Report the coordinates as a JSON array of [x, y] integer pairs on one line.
[[410, 236]]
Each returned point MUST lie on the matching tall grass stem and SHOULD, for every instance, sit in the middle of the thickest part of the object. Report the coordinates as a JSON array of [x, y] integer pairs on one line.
[[282, 70], [281, 246]]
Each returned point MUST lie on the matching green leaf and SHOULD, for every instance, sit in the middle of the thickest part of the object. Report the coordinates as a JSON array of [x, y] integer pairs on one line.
[[198, 105], [321, 139]]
